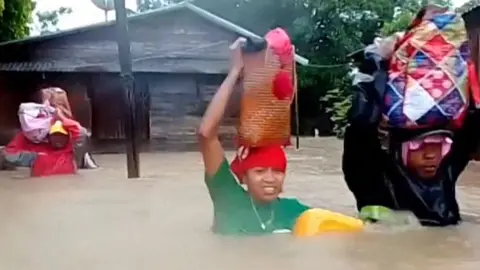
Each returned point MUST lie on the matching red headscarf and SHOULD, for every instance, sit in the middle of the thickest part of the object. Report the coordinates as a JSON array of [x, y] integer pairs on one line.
[[266, 157]]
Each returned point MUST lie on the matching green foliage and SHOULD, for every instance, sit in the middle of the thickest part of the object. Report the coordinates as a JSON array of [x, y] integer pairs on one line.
[[15, 19], [405, 13], [49, 19], [400, 23], [338, 102], [145, 5], [335, 29]]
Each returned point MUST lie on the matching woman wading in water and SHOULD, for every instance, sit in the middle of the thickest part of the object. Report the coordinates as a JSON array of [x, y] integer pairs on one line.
[[258, 208]]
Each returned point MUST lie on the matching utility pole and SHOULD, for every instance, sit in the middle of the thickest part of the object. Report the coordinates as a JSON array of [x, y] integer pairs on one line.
[[128, 91]]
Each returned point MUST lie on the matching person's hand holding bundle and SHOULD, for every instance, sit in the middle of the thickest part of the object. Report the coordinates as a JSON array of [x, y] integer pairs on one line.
[[236, 64]]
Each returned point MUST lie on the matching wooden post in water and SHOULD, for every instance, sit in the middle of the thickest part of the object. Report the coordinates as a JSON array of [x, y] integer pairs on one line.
[[297, 123], [297, 117], [126, 75]]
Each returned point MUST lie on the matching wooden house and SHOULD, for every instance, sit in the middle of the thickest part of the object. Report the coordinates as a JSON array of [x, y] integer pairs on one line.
[[180, 55]]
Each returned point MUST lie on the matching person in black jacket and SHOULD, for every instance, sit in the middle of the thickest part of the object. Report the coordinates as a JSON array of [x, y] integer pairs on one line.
[[415, 171]]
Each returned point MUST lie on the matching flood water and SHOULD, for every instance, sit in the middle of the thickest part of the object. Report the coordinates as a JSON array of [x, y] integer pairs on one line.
[[100, 220]]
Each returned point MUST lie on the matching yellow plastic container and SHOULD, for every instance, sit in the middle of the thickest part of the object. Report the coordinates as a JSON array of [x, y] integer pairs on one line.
[[319, 221]]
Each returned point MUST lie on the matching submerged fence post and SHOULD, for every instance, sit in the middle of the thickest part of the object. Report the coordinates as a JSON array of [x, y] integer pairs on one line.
[[126, 75], [297, 113]]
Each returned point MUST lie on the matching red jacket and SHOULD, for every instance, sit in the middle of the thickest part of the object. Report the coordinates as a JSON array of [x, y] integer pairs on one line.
[[48, 161]]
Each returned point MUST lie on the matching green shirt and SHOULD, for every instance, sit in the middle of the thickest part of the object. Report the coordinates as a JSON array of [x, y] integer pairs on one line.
[[236, 213]]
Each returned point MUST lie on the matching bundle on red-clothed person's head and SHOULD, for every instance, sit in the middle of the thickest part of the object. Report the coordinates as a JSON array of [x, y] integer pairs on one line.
[[259, 157], [58, 98], [35, 120]]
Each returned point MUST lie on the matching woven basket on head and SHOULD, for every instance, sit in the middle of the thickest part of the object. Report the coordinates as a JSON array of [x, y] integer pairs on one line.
[[264, 118]]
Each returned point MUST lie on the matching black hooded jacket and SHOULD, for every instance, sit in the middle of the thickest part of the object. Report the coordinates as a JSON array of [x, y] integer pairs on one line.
[[378, 177]]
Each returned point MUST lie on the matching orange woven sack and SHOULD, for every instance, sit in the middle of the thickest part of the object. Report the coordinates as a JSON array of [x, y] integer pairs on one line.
[[269, 85]]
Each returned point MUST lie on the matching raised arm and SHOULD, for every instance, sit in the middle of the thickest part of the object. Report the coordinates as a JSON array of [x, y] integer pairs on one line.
[[363, 160], [466, 140], [212, 151], [465, 143]]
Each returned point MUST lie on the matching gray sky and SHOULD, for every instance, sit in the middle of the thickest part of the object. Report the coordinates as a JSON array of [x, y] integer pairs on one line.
[[85, 13]]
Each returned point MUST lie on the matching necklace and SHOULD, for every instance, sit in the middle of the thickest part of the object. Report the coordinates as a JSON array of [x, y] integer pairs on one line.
[[263, 225]]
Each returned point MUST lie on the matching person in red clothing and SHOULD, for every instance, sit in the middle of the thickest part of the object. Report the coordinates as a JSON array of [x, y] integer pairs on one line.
[[53, 157]]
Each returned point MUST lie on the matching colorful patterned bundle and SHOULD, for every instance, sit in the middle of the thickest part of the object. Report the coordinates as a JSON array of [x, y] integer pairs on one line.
[[431, 77], [269, 86]]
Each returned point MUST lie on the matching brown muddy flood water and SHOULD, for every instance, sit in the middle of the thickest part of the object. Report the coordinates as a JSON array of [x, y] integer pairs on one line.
[[100, 220]]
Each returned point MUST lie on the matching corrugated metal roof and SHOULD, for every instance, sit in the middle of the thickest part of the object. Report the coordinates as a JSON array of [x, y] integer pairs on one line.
[[184, 5], [167, 65], [34, 66]]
